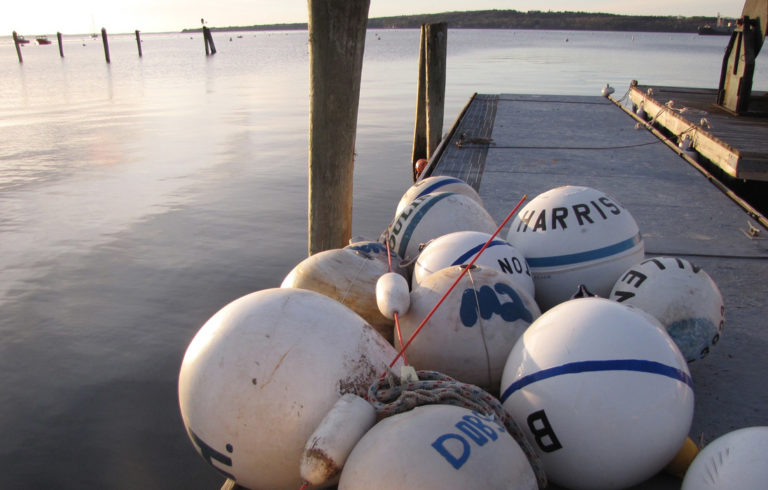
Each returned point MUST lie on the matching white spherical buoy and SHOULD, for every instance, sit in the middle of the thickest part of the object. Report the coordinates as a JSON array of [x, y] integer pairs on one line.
[[434, 185], [349, 276], [602, 392], [736, 460], [683, 297], [471, 333], [440, 447], [435, 215], [260, 375], [607, 90], [393, 295], [329, 446], [575, 235], [460, 247]]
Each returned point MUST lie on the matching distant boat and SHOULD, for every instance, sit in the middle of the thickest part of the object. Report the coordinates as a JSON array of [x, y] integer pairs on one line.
[[22, 40], [719, 29], [42, 40]]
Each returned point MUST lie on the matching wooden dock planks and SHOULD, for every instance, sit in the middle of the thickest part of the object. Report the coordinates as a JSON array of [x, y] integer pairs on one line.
[[737, 144]]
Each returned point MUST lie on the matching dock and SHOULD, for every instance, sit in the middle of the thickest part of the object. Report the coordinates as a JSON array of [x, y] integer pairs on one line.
[[507, 145], [737, 144]]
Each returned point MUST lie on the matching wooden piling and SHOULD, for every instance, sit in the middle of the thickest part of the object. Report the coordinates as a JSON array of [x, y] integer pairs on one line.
[[436, 52], [106, 43], [420, 126], [138, 42], [18, 48], [210, 48], [61, 45], [336, 42]]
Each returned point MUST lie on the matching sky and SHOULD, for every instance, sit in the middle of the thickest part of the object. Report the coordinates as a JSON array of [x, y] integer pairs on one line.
[[34, 17]]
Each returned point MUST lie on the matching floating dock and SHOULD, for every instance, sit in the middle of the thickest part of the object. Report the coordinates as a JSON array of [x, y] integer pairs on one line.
[[509, 145], [736, 144]]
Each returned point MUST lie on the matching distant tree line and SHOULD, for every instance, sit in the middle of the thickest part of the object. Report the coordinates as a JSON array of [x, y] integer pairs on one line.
[[513, 19]]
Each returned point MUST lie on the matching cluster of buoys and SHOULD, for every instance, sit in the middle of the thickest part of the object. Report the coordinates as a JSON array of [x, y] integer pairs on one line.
[[273, 389]]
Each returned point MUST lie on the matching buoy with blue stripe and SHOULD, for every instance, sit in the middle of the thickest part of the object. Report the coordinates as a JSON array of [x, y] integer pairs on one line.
[[575, 235], [736, 460], [434, 215], [437, 447], [682, 296], [261, 374], [601, 391], [433, 185], [460, 247], [470, 335]]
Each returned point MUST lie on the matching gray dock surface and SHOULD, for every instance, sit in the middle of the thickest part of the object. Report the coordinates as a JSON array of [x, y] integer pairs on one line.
[[510, 145]]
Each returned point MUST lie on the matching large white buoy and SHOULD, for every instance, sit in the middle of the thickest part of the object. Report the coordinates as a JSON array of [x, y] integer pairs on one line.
[[349, 276], [683, 297], [434, 185], [329, 446], [460, 247], [440, 447], [471, 333], [435, 215], [575, 235], [736, 460], [601, 391], [261, 374]]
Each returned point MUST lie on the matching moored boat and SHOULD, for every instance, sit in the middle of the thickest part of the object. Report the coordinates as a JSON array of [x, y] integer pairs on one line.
[[42, 40]]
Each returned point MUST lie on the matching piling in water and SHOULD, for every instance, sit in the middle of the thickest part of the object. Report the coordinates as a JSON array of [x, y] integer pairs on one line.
[[430, 99], [18, 48], [106, 43], [336, 42], [138, 42], [210, 48], [61, 45]]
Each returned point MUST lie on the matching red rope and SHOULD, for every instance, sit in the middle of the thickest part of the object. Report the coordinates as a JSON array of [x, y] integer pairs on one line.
[[464, 271]]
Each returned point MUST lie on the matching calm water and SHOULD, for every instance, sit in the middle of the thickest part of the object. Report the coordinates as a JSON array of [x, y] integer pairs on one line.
[[138, 198]]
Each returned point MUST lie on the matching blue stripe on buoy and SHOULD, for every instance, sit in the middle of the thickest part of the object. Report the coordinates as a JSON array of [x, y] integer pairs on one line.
[[637, 365], [587, 256], [472, 251], [422, 210], [437, 185]]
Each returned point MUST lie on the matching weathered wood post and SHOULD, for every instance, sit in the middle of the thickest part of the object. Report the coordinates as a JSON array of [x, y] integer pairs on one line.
[[437, 48], [420, 126], [210, 48], [336, 42], [138, 42], [18, 48], [106, 43], [61, 45]]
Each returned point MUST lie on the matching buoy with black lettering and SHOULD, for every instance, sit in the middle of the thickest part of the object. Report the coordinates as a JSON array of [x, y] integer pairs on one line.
[[601, 391], [437, 447], [434, 185], [261, 374], [349, 276], [460, 247], [471, 333], [682, 296], [575, 235], [736, 460], [329, 446], [435, 215]]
